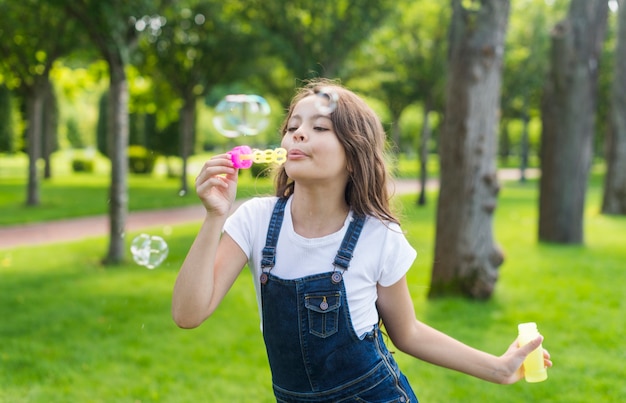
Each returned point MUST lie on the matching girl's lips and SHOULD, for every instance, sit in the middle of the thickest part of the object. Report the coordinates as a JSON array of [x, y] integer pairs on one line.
[[296, 154]]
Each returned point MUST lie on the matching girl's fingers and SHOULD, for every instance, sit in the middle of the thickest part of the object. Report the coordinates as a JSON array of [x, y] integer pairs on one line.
[[546, 358], [218, 165]]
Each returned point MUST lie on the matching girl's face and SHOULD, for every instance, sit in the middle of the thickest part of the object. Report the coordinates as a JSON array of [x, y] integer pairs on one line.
[[314, 152]]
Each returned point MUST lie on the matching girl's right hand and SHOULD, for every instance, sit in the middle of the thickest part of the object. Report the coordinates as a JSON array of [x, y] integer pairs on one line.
[[216, 184]]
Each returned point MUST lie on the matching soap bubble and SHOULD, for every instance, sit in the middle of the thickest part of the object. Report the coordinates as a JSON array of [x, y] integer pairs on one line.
[[241, 114], [326, 101], [149, 250]]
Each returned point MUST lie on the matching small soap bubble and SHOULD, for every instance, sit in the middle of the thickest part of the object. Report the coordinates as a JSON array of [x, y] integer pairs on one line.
[[241, 114], [167, 230], [326, 101], [149, 250]]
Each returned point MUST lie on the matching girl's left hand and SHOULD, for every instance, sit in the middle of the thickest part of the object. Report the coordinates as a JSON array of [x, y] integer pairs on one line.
[[514, 357]]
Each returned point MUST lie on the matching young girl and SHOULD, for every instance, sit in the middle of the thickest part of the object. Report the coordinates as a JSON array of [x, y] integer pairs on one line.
[[329, 261]]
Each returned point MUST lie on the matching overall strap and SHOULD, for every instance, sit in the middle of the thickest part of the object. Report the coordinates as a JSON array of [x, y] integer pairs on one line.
[[269, 251], [344, 254]]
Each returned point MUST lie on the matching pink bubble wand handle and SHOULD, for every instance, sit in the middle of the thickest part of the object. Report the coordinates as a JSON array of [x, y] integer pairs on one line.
[[238, 156], [243, 156]]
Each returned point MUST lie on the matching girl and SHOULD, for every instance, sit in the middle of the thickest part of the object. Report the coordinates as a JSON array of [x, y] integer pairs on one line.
[[329, 261]]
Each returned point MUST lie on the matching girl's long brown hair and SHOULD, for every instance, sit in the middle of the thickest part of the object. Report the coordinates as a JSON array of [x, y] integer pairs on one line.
[[361, 133]]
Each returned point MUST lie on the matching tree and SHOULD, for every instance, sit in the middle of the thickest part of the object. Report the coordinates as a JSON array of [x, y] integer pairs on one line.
[[568, 113], [102, 126], [403, 63], [111, 27], [7, 139], [525, 66], [314, 38], [197, 46], [466, 256], [27, 52], [49, 126], [614, 200]]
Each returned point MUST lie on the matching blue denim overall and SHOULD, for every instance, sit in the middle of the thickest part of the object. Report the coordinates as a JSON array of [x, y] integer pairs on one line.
[[314, 353]]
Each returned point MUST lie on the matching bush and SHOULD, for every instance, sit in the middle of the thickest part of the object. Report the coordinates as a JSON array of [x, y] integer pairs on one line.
[[81, 164], [141, 160]]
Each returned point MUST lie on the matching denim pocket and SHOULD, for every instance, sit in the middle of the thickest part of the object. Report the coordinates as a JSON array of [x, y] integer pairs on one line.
[[323, 312]]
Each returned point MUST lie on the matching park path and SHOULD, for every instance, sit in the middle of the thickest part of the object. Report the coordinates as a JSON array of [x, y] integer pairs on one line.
[[85, 227]]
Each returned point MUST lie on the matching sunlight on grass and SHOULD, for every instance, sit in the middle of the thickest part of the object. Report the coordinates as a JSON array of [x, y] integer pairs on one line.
[[80, 332], [81, 195], [74, 331], [574, 293]]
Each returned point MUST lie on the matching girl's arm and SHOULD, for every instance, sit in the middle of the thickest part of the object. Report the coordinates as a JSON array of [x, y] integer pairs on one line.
[[421, 341], [214, 260]]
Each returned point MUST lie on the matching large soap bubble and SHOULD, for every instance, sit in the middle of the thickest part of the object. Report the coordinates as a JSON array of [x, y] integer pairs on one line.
[[241, 114], [326, 101], [149, 250]]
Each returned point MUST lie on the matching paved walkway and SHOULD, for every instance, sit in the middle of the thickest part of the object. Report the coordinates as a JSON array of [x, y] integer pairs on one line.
[[80, 228]]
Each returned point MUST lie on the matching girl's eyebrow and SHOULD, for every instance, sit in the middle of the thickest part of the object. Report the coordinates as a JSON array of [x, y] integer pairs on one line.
[[316, 116]]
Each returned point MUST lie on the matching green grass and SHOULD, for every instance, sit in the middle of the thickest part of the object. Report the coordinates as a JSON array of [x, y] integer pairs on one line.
[[574, 293], [68, 195], [74, 331]]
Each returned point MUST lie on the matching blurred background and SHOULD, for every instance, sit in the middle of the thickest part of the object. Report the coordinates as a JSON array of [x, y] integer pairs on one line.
[[506, 124]]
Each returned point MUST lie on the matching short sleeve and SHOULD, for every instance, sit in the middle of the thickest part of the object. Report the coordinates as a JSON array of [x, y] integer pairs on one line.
[[249, 221], [397, 257]]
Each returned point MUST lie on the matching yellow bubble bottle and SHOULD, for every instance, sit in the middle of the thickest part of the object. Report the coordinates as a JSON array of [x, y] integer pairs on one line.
[[534, 369]]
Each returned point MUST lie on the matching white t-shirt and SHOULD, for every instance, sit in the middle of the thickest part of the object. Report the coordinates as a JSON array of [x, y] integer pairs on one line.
[[382, 255]]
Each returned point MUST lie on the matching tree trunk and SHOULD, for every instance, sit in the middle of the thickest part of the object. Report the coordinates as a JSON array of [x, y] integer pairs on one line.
[[34, 108], [187, 136], [7, 141], [568, 113], [524, 142], [423, 154], [614, 201], [466, 257], [49, 128], [118, 133], [395, 134], [504, 143]]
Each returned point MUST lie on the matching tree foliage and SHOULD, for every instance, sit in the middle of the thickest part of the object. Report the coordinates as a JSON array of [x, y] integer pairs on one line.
[[525, 67], [393, 53], [111, 27], [195, 46], [404, 61], [315, 38], [27, 53]]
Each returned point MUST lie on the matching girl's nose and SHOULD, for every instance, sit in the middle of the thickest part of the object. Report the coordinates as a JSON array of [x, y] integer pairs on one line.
[[298, 135]]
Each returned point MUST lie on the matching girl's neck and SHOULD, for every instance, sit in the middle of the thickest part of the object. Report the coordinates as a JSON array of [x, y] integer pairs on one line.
[[316, 214]]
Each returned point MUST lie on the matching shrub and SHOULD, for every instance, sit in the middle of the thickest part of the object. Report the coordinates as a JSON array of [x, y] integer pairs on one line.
[[82, 164], [141, 160]]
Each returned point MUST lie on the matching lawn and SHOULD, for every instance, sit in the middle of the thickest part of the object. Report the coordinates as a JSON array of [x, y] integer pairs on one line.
[[68, 194], [74, 331]]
